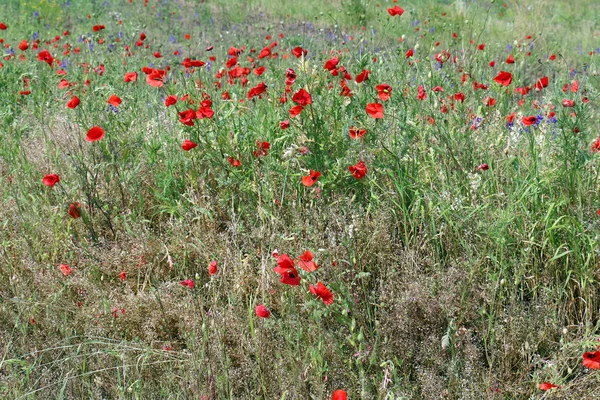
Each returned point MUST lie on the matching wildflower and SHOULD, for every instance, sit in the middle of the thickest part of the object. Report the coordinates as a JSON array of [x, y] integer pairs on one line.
[[529, 120], [65, 269], [74, 102], [331, 64], [51, 180], [170, 100], [114, 101], [592, 359], [302, 98], [262, 311], [375, 110], [356, 133], [541, 83], [130, 77], [363, 76], [568, 103], [262, 149], [547, 386], [94, 134], [384, 91], [322, 292], [503, 78], [212, 267], [299, 52], [234, 162], [596, 145], [187, 282], [359, 170], [396, 10], [305, 261], [311, 178], [187, 145], [74, 210]]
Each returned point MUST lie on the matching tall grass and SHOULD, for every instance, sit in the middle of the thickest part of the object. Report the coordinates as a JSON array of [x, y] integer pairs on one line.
[[464, 264]]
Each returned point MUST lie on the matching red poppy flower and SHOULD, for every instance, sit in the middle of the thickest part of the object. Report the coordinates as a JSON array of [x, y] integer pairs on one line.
[[75, 210], [489, 101], [24, 45], [262, 311], [422, 95], [51, 180], [492, 64], [459, 97], [74, 102], [575, 86], [542, 83], [234, 162], [65, 269], [510, 60], [264, 53], [130, 77], [305, 261], [46, 57], [503, 78], [170, 100], [97, 28], [482, 167], [295, 111], [363, 76], [396, 10], [375, 110], [187, 145], [205, 112], [302, 98], [359, 170], [284, 124], [596, 145], [568, 103], [409, 53], [156, 78], [189, 63], [384, 91], [114, 101], [187, 282], [290, 277], [331, 64], [322, 292], [3, 26], [283, 262], [187, 117], [258, 90], [339, 395], [262, 149], [523, 91], [529, 120], [356, 133], [94, 134], [547, 386], [212, 267], [310, 179], [592, 359], [123, 275], [299, 52]]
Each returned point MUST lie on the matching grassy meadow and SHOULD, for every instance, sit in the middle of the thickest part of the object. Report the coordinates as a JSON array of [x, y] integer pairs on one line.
[[251, 199]]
